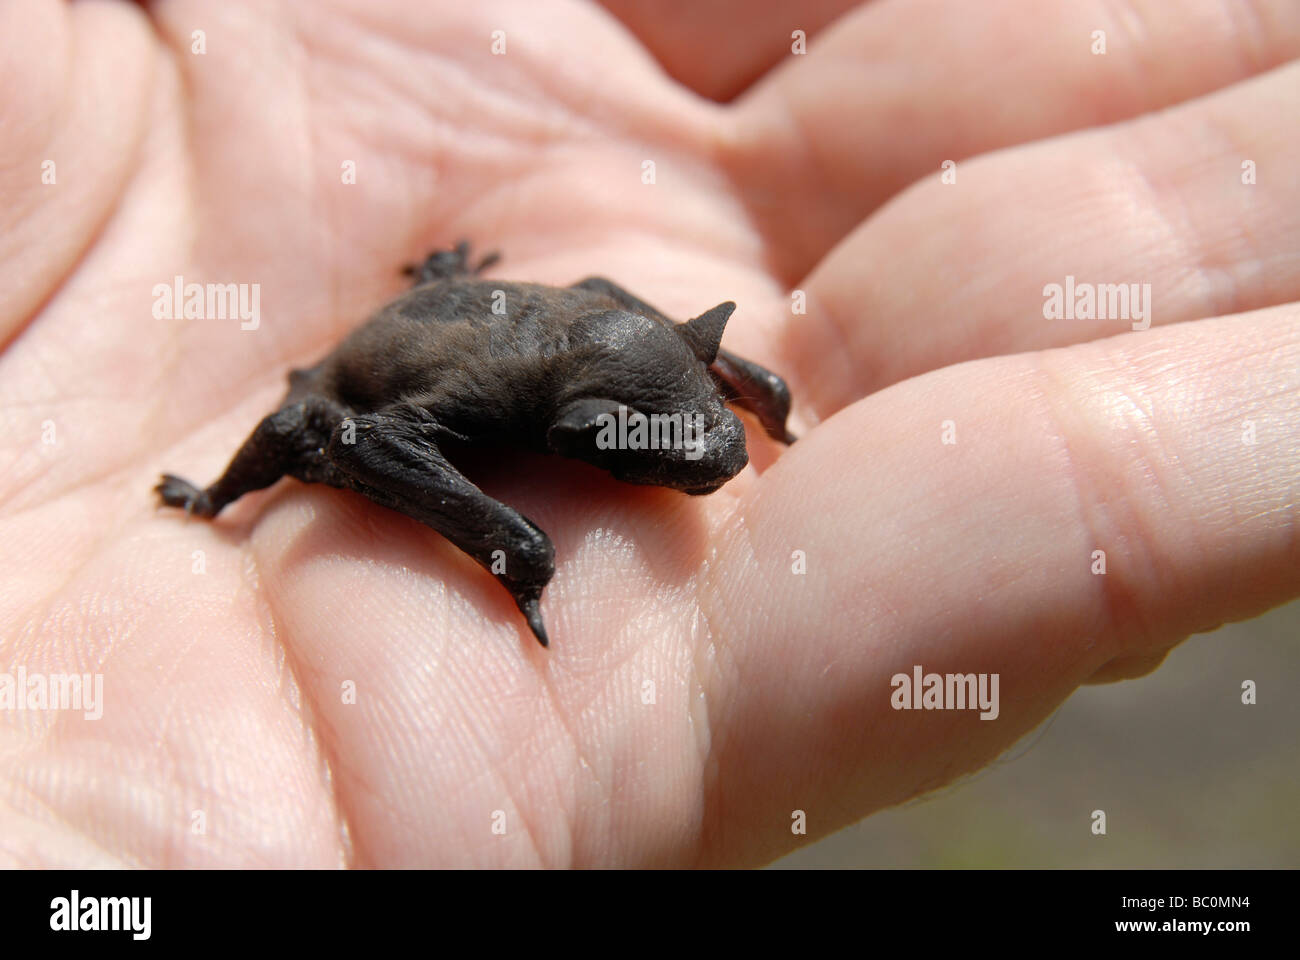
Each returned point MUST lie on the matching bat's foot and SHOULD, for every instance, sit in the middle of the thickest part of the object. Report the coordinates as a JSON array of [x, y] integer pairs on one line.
[[177, 492], [445, 264]]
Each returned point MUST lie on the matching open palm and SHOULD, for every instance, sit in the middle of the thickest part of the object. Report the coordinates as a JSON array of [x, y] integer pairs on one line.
[[313, 680]]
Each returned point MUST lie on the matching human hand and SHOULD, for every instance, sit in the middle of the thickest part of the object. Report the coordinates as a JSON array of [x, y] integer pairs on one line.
[[228, 693]]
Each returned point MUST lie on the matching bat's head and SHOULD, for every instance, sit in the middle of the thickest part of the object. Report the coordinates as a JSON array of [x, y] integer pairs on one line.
[[641, 403]]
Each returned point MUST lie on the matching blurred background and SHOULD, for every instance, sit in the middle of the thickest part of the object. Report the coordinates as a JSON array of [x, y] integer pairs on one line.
[[1188, 775]]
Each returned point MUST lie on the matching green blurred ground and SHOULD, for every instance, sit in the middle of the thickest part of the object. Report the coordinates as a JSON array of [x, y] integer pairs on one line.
[[1187, 775]]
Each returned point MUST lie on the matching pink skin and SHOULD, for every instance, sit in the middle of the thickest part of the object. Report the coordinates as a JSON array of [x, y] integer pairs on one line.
[[227, 692]]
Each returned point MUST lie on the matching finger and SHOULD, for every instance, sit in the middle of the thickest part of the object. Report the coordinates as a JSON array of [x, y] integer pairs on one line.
[[1175, 452], [719, 47], [76, 80], [894, 90], [1194, 211]]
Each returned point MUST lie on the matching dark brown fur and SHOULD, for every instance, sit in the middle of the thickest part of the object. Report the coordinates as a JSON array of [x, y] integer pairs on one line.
[[514, 364]]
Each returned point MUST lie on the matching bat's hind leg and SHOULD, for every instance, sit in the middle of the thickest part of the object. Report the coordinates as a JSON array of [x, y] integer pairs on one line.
[[289, 442], [446, 264]]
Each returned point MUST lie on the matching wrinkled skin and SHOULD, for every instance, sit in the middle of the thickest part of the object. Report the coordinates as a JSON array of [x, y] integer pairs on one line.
[[339, 686]]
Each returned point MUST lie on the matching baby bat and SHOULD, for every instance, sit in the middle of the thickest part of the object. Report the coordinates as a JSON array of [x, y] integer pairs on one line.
[[588, 372]]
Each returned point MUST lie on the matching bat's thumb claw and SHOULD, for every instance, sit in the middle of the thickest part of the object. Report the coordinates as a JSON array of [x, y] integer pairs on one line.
[[531, 608]]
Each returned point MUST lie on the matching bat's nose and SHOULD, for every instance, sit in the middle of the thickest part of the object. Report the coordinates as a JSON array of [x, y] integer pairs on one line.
[[724, 456]]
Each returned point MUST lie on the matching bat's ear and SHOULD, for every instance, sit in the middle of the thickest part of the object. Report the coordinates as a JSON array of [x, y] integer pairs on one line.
[[576, 425], [704, 333]]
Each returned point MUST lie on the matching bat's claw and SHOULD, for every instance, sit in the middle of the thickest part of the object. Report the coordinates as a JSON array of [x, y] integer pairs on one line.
[[531, 608], [176, 491]]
